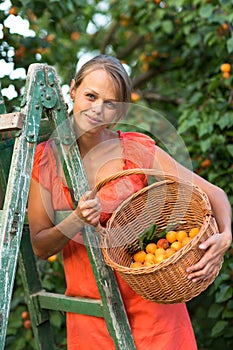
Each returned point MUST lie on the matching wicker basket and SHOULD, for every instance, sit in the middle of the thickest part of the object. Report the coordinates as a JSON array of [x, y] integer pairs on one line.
[[168, 201]]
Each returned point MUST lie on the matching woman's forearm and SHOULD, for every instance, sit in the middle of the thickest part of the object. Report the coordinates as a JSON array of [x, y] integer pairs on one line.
[[222, 212], [50, 241]]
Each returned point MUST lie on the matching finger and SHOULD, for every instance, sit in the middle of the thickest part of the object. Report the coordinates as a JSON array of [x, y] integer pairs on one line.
[[93, 219], [210, 242], [197, 267], [90, 204], [203, 274]]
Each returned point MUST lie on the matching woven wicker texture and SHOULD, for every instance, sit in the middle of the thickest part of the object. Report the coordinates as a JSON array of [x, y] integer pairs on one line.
[[168, 201]]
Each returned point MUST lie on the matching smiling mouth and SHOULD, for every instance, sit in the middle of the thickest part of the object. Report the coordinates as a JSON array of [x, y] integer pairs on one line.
[[93, 120]]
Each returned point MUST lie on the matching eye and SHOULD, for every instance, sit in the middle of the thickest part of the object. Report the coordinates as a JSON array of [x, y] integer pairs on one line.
[[111, 105], [91, 96]]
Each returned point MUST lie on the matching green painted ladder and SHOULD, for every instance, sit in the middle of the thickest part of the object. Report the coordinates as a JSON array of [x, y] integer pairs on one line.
[[43, 101]]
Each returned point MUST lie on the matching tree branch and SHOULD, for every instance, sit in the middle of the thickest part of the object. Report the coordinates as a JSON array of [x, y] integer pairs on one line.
[[153, 96], [144, 77], [132, 45], [108, 37]]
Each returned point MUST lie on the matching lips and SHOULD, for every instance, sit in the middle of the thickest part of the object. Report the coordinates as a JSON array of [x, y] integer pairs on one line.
[[92, 119]]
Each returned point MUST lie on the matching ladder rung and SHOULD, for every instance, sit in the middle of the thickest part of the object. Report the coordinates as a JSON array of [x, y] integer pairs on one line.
[[60, 302], [11, 121]]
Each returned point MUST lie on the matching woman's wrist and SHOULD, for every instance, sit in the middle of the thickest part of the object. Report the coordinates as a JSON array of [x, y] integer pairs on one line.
[[71, 225]]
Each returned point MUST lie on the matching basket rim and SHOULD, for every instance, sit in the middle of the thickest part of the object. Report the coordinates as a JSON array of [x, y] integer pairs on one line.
[[195, 189]]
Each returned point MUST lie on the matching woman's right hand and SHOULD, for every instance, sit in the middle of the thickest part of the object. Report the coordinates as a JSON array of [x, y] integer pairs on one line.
[[89, 209]]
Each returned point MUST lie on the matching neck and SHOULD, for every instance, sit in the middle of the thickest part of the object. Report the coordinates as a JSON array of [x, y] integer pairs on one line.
[[89, 141]]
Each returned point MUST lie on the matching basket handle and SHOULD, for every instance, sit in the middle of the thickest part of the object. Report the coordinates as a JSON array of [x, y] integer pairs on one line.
[[137, 171], [160, 175]]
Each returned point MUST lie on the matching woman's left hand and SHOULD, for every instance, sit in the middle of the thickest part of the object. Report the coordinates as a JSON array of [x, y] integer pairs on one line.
[[208, 266]]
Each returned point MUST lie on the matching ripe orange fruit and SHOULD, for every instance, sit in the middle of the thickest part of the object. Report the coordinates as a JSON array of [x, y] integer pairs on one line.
[[169, 252], [136, 264], [159, 258], [159, 251], [226, 75], [225, 67], [150, 257], [13, 10], [163, 243], [185, 241], [176, 245], [193, 232], [154, 53], [151, 248], [145, 67], [206, 163], [50, 38], [52, 258], [142, 57], [27, 324], [25, 315], [181, 235], [75, 36], [171, 236], [124, 20], [140, 256], [225, 26], [135, 97]]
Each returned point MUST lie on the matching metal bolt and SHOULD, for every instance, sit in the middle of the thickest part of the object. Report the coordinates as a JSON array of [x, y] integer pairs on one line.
[[37, 107], [48, 97]]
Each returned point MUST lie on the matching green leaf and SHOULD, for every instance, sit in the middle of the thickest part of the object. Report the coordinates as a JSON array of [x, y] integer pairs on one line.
[[206, 128], [205, 144], [230, 45], [227, 314], [20, 344], [215, 310], [167, 26], [196, 97], [218, 328], [147, 236], [230, 149], [56, 319], [191, 121], [225, 293], [162, 234], [226, 120], [206, 10], [193, 39]]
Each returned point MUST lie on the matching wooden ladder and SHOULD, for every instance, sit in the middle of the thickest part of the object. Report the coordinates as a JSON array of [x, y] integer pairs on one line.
[[43, 101]]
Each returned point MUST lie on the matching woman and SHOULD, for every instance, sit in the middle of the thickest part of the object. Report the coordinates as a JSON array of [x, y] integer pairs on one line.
[[96, 91]]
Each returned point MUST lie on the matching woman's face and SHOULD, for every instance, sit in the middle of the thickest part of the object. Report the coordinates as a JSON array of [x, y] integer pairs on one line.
[[95, 102]]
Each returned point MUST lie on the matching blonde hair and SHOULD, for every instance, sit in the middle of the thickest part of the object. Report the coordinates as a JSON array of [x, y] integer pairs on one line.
[[121, 81]]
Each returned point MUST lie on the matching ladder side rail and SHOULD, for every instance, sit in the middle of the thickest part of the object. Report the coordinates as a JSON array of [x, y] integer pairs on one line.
[[13, 213], [115, 315], [32, 286]]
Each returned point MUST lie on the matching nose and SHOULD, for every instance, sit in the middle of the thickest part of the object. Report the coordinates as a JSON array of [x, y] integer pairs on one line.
[[98, 107]]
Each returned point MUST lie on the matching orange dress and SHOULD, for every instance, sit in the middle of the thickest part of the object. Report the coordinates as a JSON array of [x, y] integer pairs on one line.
[[154, 326]]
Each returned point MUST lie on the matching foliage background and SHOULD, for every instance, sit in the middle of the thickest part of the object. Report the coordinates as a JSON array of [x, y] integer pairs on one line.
[[174, 50]]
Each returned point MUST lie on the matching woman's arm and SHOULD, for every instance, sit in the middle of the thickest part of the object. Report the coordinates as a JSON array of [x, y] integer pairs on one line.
[[48, 239], [216, 245]]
